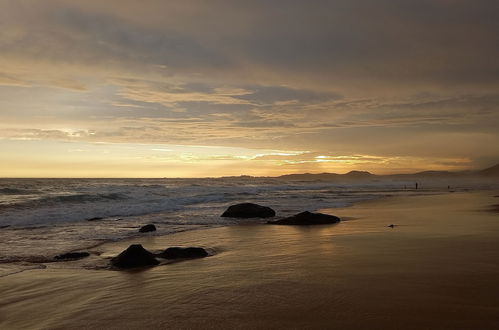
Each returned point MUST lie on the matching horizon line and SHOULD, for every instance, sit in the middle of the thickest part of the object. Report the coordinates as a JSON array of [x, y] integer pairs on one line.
[[252, 176]]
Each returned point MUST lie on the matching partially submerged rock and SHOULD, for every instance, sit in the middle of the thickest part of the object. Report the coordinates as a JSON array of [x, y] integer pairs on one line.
[[307, 218], [147, 228], [95, 219], [248, 210], [134, 256], [72, 255], [179, 252]]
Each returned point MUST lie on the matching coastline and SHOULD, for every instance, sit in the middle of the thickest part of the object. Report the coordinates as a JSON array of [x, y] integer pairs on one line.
[[436, 268], [55, 221]]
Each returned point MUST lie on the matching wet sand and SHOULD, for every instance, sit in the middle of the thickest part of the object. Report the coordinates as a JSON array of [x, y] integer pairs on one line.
[[438, 268]]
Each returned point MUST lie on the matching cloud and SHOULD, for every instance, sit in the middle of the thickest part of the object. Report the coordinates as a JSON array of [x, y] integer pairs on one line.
[[275, 94], [45, 134], [340, 77], [171, 95], [306, 43], [6, 80]]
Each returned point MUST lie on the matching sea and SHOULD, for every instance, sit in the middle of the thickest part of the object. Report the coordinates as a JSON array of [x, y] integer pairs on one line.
[[41, 218]]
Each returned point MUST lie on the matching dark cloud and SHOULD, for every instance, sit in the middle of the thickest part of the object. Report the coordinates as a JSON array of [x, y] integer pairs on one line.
[[431, 41], [63, 35]]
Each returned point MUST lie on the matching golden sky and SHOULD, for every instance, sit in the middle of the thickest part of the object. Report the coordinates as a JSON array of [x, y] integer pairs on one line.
[[185, 88]]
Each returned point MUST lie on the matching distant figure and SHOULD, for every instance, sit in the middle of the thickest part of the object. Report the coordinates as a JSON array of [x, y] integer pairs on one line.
[[448, 187], [416, 186], [391, 226]]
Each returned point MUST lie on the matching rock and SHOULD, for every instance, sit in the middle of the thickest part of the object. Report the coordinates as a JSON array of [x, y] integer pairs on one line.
[[72, 255], [147, 228], [178, 252], [134, 256], [248, 210], [391, 226], [307, 218], [95, 219]]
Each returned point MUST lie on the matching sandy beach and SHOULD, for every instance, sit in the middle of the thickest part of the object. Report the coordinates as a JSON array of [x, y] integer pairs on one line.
[[438, 268]]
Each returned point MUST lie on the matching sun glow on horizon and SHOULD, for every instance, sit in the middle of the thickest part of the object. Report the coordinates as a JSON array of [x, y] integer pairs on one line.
[[35, 158]]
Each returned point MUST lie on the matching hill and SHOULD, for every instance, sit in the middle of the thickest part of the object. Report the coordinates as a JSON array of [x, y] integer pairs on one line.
[[490, 171], [364, 175]]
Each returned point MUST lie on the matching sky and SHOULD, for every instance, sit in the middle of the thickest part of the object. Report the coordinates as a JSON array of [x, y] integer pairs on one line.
[[184, 88]]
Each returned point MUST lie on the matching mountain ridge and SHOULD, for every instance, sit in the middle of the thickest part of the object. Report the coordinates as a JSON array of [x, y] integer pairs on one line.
[[492, 171]]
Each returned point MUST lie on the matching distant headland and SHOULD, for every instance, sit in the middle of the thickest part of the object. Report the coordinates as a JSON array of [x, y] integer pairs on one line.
[[489, 172]]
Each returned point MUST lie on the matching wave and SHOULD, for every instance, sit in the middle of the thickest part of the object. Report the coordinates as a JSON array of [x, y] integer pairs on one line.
[[60, 200], [31, 259], [82, 198], [54, 220], [71, 200], [16, 191]]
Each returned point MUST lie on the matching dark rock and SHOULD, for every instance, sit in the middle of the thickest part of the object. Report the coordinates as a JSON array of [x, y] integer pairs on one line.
[[179, 252], [248, 210], [307, 218], [391, 226], [72, 255], [134, 256], [147, 228], [495, 208], [95, 219]]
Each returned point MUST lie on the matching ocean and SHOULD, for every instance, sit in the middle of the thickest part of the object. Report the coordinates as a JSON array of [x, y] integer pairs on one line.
[[40, 218]]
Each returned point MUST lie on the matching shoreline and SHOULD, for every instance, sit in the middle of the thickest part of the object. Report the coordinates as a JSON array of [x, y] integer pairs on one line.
[[439, 260], [133, 236], [132, 223], [43, 259]]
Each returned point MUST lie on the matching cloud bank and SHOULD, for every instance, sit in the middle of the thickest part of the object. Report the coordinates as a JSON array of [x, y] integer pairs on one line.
[[413, 80]]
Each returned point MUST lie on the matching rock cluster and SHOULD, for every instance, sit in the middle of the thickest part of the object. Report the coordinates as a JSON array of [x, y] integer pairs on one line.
[[250, 210], [136, 256]]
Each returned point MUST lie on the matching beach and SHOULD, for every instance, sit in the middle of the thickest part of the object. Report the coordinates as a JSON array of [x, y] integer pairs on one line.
[[437, 268]]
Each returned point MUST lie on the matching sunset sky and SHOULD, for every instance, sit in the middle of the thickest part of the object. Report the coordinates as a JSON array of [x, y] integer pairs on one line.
[[183, 88]]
